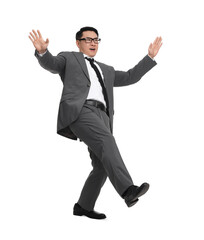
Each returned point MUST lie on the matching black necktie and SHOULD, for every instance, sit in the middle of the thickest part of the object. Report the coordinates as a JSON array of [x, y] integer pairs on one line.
[[91, 60]]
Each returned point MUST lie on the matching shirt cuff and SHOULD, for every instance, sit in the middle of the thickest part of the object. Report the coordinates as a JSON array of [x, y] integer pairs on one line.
[[41, 54], [151, 58]]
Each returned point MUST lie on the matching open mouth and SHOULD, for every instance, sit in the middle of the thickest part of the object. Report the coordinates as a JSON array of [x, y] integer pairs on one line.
[[92, 49]]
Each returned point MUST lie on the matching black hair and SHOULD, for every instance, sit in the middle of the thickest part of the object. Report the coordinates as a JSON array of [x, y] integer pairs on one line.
[[80, 32]]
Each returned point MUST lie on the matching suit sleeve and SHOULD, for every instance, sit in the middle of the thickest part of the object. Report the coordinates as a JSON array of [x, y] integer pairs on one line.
[[135, 74], [54, 64]]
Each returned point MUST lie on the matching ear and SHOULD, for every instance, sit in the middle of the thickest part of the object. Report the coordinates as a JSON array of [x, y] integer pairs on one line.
[[77, 43]]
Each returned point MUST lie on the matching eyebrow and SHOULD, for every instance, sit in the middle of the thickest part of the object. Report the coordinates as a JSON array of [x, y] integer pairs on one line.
[[91, 37]]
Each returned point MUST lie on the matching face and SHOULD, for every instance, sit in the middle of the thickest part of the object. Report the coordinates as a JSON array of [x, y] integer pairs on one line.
[[90, 49]]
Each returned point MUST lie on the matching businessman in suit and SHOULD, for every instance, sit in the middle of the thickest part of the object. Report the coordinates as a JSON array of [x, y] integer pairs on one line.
[[86, 112]]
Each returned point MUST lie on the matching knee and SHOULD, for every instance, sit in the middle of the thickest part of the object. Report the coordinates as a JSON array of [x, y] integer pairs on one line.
[[100, 172]]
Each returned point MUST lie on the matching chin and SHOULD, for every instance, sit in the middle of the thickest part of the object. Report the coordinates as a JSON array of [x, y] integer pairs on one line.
[[92, 54]]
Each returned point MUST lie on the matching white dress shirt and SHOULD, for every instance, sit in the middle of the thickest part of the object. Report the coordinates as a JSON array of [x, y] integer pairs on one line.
[[95, 91]]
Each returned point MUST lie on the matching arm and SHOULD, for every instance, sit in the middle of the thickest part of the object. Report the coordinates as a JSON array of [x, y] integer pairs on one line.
[[45, 58], [136, 73], [54, 64]]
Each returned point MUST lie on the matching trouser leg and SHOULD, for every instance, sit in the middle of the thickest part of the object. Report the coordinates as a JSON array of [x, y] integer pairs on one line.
[[91, 128], [93, 184]]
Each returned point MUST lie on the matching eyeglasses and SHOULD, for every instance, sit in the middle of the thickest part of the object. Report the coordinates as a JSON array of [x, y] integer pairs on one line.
[[89, 40]]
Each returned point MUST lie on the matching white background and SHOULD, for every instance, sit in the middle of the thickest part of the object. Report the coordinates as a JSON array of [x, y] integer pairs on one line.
[[161, 140]]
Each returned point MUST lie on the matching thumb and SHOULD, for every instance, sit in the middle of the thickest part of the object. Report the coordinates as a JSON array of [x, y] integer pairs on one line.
[[47, 41]]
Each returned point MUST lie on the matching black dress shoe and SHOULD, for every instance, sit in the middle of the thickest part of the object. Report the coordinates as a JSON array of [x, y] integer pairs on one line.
[[133, 193], [79, 211]]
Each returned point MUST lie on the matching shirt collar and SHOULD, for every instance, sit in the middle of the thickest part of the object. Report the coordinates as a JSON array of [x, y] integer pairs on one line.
[[87, 56]]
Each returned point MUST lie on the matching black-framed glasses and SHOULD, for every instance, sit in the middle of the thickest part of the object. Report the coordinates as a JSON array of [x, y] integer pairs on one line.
[[89, 40]]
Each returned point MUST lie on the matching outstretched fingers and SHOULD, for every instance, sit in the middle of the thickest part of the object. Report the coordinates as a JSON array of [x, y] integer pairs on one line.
[[159, 40], [36, 36], [33, 37], [39, 33], [157, 43], [155, 46]]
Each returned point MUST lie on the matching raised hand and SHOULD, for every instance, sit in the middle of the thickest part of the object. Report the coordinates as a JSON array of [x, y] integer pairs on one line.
[[154, 47], [38, 42]]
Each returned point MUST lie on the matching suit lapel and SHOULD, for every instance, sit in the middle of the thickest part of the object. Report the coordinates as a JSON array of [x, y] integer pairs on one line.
[[80, 58]]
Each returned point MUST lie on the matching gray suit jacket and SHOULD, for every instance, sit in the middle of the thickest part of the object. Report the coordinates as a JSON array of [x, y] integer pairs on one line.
[[72, 69]]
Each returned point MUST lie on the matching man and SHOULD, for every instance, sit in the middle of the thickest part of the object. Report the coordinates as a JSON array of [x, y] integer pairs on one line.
[[86, 112]]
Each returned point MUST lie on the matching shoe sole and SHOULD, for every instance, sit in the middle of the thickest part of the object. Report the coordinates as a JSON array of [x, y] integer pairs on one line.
[[78, 214], [132, 203], [84, 215]]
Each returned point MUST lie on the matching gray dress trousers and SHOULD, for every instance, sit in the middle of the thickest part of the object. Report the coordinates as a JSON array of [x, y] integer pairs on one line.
[[92, 127]]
